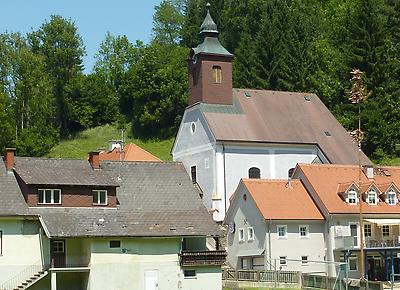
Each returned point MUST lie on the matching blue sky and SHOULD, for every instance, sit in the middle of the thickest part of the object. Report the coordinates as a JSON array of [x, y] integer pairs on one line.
[[92, 17]]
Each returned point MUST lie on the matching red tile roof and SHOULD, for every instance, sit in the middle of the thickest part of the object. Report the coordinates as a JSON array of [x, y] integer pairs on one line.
[[328, 180], [276, 200], [131, 152]]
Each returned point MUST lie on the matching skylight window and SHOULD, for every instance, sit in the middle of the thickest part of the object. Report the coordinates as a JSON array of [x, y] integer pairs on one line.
[[307, 98], [327, 133]]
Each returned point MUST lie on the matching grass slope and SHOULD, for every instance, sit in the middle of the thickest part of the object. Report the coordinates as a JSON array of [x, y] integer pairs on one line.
[[389, 162], [93, 139]]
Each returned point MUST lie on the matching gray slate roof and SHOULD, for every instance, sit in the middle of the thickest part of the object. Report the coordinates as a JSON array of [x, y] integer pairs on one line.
[[55, 171], [155, 199], [282, 117], [11, 199]]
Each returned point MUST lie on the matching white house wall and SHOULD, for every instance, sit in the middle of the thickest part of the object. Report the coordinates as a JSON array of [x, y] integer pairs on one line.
[[274, 162], [125, 268], [188, 142], [245, 214], [294, 247], [196, 149], [20, 247]]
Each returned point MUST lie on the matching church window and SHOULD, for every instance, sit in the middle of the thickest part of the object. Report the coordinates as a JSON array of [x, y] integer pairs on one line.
[[217, 74], [254, 172]]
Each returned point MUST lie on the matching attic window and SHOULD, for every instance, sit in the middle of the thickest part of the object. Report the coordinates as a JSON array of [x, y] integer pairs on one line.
[[307, 98], [49, 196], [352, 197], [371, 197], [217, 74], [392, 198], [327, 134]]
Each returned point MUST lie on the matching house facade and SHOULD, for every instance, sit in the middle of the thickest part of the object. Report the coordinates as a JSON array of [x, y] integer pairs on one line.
[[338, 190], [274, 225], [227, 134], [74, 224], [311, 223]]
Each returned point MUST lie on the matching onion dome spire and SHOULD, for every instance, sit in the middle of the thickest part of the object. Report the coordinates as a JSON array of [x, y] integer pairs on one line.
[[208, 25]]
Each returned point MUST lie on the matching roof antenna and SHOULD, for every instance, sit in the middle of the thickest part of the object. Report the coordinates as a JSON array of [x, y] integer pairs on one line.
[[120, 155]]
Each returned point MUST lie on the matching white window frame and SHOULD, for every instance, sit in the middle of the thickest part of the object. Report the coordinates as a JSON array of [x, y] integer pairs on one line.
[[352, 194], [283, 260], [285, 231], [307, 231], [52, 190], [241, 235], [389, 194], [99, 191], [250, 237], [356, 263], [305, 261], [372, 194]]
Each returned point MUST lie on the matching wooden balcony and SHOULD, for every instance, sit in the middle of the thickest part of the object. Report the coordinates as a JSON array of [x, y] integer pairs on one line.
[[202, 258]]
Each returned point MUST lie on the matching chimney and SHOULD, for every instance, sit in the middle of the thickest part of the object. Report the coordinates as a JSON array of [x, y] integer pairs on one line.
[[9, 158], [94, 159], [369, 171]]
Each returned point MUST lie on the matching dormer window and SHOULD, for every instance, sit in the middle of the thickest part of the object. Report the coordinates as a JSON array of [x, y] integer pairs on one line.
[[352, 197], [371, 197], [217, 74], [49, 196], [100, 197], [392, 198]]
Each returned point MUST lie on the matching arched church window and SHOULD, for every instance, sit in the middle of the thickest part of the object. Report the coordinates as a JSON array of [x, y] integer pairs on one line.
[[255, 173], [217, 74]]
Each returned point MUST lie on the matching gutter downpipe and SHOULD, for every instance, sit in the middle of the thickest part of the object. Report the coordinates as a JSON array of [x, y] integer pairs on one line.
[[223, 152], [269, 245]]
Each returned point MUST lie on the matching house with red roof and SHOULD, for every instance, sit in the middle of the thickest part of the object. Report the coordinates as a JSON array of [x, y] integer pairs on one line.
[[228, 133], [311, 222], [274, 225], [341, 192], [118, 151]]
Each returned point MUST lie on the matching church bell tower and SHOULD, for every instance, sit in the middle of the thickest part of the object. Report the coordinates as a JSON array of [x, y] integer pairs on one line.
[[210, 68]]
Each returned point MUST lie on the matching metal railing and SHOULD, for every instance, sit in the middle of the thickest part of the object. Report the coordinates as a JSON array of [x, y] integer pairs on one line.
[[292, 277], [23, 276], [332, 283], [349, 242]]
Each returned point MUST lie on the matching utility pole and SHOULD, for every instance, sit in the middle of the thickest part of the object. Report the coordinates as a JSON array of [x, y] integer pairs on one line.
[[358, 94]]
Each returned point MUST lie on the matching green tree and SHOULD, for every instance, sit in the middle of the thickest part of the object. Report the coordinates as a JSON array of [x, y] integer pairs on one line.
[[62, 48], [167, 21], [157, 91]]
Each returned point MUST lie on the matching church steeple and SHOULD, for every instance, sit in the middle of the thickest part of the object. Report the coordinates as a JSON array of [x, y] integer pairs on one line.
[[210, 67]]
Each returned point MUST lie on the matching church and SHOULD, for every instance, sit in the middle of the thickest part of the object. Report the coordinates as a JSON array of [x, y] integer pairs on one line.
[[228, 133]]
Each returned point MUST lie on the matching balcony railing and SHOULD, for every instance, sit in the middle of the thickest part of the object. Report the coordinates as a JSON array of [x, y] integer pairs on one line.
[[382, 243], [202, 258], [369, 242]]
